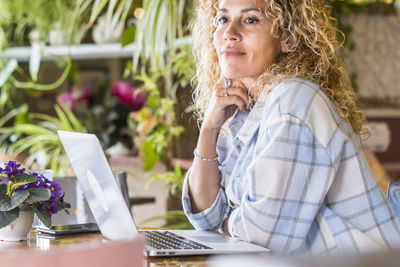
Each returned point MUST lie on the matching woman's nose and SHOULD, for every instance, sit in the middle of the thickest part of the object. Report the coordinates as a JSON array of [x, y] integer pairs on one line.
[[232, 32]]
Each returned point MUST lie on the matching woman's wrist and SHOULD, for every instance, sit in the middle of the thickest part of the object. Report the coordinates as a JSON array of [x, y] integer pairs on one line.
[[197, 155], [206, 146], [209, 131]]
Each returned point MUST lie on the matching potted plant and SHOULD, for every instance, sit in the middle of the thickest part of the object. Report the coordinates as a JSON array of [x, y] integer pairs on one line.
[[109, 26], [37, 134], [74, 18], [22, 194], [163, 64]]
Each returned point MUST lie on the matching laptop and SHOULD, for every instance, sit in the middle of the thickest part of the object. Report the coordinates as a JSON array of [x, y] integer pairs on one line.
[[113, 217]]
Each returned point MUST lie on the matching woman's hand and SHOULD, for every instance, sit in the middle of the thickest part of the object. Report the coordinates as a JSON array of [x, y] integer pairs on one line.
[[223, 107]]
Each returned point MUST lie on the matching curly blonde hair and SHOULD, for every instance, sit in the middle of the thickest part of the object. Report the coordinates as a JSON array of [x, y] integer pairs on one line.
[[313, 54]]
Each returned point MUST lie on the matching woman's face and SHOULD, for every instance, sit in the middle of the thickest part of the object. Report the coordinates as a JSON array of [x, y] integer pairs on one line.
[[243, 39]]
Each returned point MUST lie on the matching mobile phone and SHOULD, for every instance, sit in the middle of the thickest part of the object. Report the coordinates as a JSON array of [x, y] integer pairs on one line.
[[68, 228]]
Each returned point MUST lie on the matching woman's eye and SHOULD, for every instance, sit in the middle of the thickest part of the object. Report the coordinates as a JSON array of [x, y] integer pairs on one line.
[[222, 20], [251, 20]]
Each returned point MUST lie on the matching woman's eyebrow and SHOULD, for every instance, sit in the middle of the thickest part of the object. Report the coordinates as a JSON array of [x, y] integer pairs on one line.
[[245, 10]]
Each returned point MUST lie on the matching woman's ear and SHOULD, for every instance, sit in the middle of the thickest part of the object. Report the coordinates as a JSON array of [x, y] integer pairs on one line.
[[288, 43]]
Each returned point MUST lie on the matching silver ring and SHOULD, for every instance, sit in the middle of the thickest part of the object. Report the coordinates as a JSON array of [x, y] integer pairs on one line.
[[228, 83], [225, 93]]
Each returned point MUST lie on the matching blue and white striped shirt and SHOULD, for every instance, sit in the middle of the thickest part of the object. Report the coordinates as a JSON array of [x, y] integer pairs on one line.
[[294, 179]]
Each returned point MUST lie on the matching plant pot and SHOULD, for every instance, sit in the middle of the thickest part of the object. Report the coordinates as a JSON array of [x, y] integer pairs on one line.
[[103, 32], [174, 202], [20, 228], [57, 36]]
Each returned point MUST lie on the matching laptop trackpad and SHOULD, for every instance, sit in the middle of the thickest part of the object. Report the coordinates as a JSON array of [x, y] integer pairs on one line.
[[210, 239]]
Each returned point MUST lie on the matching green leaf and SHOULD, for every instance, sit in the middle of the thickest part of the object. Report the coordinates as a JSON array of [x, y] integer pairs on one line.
[[42, 215], [66, 124], [176, 130], [78, 127], [9, 69], [38, 194], [128, 36], [22, 179], [12, 113], [31, 129], [97, 8], [8, 217], [7, 203], [55, 157], [35, 142], [47, 118], [65, 207], [150, 157], [34, 61]]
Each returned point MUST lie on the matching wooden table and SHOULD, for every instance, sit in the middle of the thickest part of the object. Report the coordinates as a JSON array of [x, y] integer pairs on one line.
[[44, 242]]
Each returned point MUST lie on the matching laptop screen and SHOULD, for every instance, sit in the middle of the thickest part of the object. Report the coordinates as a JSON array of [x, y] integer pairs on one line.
[[98, 185]]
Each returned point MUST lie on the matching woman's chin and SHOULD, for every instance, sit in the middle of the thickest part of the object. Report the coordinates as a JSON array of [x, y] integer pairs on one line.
[[233, 74]]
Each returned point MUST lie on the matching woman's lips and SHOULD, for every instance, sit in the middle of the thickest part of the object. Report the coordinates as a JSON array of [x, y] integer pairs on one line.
[[232, 52]]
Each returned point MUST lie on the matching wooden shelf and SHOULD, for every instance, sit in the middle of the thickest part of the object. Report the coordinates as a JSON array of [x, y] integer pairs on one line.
[[379, 113]]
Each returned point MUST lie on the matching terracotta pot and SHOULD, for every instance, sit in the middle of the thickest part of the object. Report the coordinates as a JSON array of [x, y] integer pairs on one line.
[[20, 228]]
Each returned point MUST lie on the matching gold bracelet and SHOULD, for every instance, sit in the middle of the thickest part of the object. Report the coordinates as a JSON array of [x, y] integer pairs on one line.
[[203, 158]]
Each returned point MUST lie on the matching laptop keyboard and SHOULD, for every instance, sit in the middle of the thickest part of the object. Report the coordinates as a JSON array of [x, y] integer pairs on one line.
[[169, 240]]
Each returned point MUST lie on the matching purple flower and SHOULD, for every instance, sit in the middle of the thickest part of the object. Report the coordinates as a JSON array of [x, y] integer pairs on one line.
[[55, 190], [11, 170], [128, 94], [50, 208]]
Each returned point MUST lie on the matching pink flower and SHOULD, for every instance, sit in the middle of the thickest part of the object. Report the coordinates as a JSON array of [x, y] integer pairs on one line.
[[78, 94], [82, 94], [67, 99], [129, 94]]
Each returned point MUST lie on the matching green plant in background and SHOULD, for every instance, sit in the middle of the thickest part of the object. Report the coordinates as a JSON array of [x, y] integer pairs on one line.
[[18, 18], [174, 178], [156, 51], [162, 63], [73, 18], [151, 123], [175, 219], [37, 134]]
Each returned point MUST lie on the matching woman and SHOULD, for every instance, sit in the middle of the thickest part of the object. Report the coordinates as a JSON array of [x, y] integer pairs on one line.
[[278, 161]]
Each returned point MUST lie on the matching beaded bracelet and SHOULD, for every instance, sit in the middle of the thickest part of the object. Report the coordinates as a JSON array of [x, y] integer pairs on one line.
[[203, 158]]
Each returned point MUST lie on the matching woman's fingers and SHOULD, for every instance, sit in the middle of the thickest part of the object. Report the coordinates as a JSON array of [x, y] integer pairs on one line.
[[233, 100], [224, 102], [235, 95]]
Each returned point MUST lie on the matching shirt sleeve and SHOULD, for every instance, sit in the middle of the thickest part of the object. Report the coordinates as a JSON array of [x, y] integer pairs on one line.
[[288, 181], [209, 219]]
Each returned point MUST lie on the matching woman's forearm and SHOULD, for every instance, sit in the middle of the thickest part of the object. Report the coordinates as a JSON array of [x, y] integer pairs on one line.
[[204, 178]]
